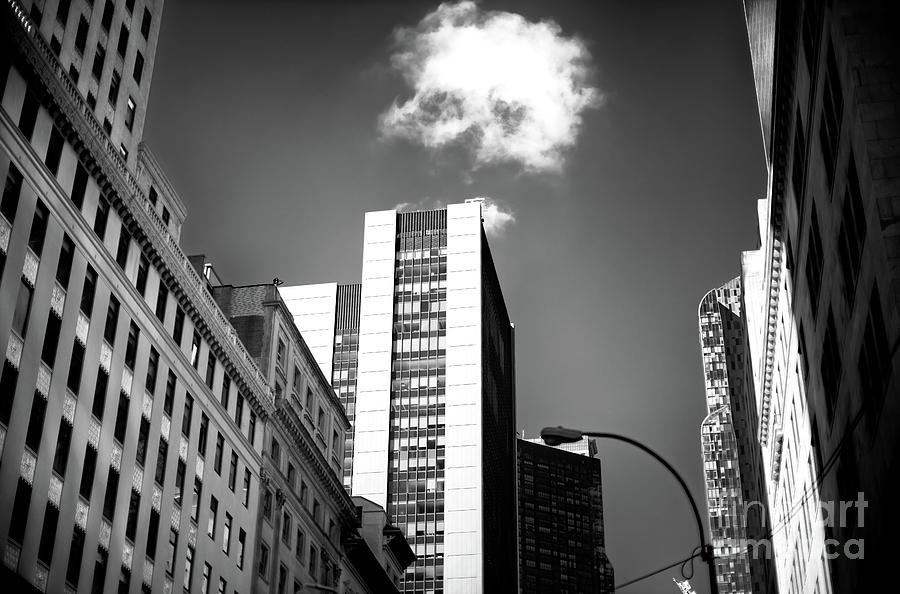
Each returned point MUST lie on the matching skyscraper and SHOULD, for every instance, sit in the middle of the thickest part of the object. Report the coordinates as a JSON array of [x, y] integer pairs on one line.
[[821, 288], [735, 487], [434, 410], [562, 545]]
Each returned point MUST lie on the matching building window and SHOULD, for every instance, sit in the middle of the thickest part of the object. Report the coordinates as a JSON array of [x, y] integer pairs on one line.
[[313, 562], [210, 369], [188, 567], [76, 363], [145, 23], [852, 234], [276, 453], [152, 534], [99, 403], [36, 422], [129, 114], [91, 100], [165, 216], [180, 472], [874, 361], [143, 437], [131, 347], [48, 534], [87, 472], [304, 493], [143, 270], [38, 229], [109, 498], [201, 435], [317, 511], [186, 415], [814, 263], [832, 111], [226, 534], [54, 151], [152, 368], [251, 429], [81, 35], [263, 566], [108, 10], [23, 308], [122, 46], [280, 355], [179, 325], [51, 340], [300, 545], [226, 389], [19, 517], [831, 365], [169, 399], [76, 552], [246, 500], [87, 292], [101, 217], [61, 455], [161, 454], [28, 115], [121, 418], [267, 504], [232, 471], [242, 541], [11, 192], [55, 46], [122, 250], [291, 475], [195, 498], [171, 550], [286, 528], [239, 411], [211, 522], [138, 72], [114, 83], [162, 296], [217, 460], [282, 578], [134, 506], [195, 351]]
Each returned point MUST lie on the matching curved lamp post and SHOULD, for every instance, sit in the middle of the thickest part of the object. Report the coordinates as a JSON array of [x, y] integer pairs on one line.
[[554, 436]]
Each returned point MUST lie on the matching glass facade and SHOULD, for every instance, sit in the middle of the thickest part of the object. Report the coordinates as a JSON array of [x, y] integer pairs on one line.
[[344, 364], [418, 395]]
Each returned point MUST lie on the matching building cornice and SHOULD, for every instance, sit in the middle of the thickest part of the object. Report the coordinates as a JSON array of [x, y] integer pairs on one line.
[[76, 121]]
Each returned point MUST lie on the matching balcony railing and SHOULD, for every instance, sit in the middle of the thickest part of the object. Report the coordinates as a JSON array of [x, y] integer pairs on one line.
[[81, 117]]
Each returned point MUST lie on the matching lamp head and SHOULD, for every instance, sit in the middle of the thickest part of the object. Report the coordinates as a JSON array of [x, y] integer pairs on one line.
[[553, 436]]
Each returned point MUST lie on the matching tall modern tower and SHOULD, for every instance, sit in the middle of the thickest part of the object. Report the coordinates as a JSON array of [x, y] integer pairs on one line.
[[735, 486], [434, 396]]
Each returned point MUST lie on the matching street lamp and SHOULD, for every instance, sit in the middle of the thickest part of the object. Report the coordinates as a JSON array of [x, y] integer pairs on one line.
[[553, 436]]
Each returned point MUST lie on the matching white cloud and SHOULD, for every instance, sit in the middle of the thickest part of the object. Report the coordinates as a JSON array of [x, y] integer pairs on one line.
[[495, 218], [512, 90]]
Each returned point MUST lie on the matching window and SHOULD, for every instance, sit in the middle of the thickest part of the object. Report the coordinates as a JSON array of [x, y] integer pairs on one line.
[[99, 58], [263, 566], [300, 545], [169, 399], [165, 216], [187, 412], [161, 455], [140, 282], [28, 115], [317, 511], [297, 379], [320, 420], [152, 368], [64, 267], [232, 471], [38, 229], [279, 357], [131, 347], [201, 436], [99, 403], [309, 398], [188, 567], [99, 571], [79, 186], [210, 369], [114, 83], [87, 472], [246, 500], [204, 580], [852, 234], [61, 455], [195, 351], [122, 47], [143, 437], [134, 506], [276, 453], [8, 381], [19, 517], [831, 365], [48, 533], [874, 361], [122, 250], [223, 585], [180, 471], [170, 551], [145, 23], [36, 14], [107, 126], [282, 578], [304, 492], [217, 460], [213, 511], [832, 110], [74, 74], [251, 430], [287, 526], [91, 100], [76, 362], [54, 150], [138, 72], [239, 410], [179, 325], [129, 113], [814, 263], [55, 46], [226, 388], [152, 533], [313, 558], [36, 422], [242, 541], [121, 418], [195, 498], [101, 217], [109, 499], [11, 191], [108, 10], [62, 12], [87, 292], [291, 475], [76, 551], [51, 340], [152, 195], [81, 35], [226, 534], [162, 296], [129, 5]]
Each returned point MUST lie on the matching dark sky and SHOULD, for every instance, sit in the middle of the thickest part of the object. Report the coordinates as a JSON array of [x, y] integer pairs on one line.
[[265, 116]]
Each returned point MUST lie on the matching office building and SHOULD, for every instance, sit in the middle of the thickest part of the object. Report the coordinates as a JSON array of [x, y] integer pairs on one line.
[[822, 288], [736, 500], [117, 361], [561, 532], [305, 515], [434, 411]]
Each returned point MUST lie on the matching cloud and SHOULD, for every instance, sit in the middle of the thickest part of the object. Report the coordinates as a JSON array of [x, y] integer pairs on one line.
[[509, 89], [495, 219]]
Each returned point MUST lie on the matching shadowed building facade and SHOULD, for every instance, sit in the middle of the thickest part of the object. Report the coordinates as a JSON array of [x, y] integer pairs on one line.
[[561, 532], [822, 288], [434, 411]]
